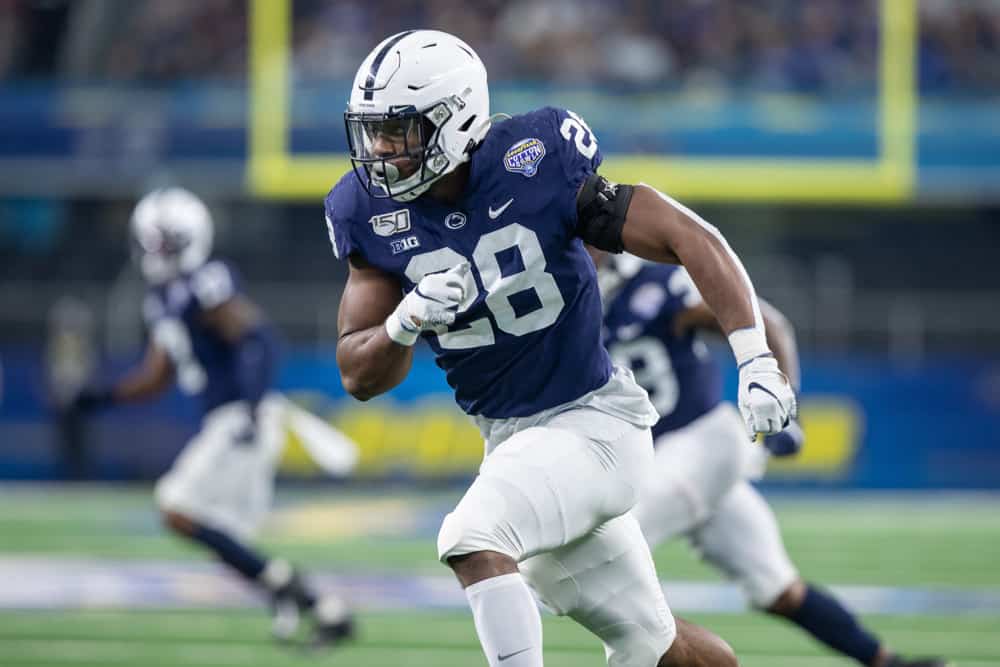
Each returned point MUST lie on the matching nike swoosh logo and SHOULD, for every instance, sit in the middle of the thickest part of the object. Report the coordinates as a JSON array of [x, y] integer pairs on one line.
[[501, 658], [497, 212]]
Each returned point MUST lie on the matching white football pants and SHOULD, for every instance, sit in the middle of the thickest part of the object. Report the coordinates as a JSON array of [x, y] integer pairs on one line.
[[699, 489]]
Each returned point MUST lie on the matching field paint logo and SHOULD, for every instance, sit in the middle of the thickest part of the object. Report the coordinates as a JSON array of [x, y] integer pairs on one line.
[[404, 244], [524, 157], [388, 224], [455, 220]]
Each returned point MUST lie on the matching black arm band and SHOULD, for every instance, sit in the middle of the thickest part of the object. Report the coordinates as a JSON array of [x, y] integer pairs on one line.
[[600, 209]]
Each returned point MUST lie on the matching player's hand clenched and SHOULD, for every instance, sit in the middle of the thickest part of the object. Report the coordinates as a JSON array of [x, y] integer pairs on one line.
[[787, 443], [431, 305], [766, 399]]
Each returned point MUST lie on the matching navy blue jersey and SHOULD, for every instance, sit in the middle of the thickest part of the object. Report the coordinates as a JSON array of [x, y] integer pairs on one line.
[[205, 364], [678, 372], [528, 339]]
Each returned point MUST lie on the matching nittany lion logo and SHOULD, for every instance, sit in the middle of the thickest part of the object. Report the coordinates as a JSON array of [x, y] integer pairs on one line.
[[455, 220], [524, 156]]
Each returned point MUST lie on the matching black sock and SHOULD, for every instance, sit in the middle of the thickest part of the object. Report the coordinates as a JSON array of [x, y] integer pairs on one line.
[[822, 616], [243, 559]]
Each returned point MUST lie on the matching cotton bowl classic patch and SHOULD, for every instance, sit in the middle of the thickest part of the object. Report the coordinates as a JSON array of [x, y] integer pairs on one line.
[[524, 157]]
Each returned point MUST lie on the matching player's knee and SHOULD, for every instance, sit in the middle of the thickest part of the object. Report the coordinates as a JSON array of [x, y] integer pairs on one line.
[[177, 522], [477, 525], [473, 548], [790, 599], [630, 645], [481, 565]]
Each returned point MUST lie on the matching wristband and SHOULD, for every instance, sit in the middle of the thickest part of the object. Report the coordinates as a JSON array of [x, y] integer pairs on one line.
[[748, 343], [399, 332]]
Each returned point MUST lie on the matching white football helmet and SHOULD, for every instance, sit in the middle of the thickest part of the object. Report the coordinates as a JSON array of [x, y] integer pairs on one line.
[[171, 234], [422, 94]]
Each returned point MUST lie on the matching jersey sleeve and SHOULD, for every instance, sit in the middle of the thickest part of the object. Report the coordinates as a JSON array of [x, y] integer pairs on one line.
[[341, 207], [577, 151], [214, 284]]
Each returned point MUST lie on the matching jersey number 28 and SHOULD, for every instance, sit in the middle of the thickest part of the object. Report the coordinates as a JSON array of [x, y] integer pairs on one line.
[[499, 287]]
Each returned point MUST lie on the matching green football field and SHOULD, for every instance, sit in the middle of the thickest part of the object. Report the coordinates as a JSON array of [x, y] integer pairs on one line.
[[942, 553]]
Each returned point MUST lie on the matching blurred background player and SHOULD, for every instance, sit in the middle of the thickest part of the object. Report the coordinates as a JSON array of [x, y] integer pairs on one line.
[[704, 461], [206, 333]]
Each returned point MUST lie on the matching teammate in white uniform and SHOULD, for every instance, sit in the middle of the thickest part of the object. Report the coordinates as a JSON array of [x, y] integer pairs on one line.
[[704, 462], [468, 232], [207, 334]]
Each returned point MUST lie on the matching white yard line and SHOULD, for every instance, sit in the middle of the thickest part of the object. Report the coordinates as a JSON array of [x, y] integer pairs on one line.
[[68, 583]]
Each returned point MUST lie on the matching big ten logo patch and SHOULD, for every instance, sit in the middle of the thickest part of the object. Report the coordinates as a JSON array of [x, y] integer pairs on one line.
[[404, 244]]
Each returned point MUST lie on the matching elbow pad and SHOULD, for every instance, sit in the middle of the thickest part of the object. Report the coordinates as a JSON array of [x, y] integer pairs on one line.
[[600, 209]]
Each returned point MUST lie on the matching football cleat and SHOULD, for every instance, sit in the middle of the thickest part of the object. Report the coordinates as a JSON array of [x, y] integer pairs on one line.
[[333, 622], [287, 604]]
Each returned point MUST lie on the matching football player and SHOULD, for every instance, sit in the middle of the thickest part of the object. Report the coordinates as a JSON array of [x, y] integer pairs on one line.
[[704, 461], [467, 232], [208, 335]]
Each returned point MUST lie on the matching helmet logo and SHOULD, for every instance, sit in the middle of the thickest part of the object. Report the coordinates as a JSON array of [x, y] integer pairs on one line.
[[370, 82], [524, 157], [455, 220]]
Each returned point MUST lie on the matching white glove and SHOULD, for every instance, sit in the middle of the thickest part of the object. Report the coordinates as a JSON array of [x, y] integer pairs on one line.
[[766, 399], [430, 306]]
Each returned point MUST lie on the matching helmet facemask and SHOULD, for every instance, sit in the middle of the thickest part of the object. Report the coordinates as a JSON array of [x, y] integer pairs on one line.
[[398, 154], [171, 234]]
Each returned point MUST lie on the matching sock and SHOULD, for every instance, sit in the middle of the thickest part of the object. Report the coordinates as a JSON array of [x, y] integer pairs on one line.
[[280, 576], [241, 558], [507, 621], [822, 616]]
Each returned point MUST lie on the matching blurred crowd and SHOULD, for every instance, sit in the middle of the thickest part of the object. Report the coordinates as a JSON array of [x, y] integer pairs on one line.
[[801, 45]]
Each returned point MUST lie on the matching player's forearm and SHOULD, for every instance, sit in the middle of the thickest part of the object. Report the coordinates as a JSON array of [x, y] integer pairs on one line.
[[371, 363], [662, 229], [140, 385], [781, 340], [718, 277]]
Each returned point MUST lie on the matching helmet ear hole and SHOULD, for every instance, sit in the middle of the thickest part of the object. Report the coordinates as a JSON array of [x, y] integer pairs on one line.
[[464, 127]]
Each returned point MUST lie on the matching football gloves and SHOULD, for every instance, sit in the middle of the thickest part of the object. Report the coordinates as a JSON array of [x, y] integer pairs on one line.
[[766, 399], [430, 306]]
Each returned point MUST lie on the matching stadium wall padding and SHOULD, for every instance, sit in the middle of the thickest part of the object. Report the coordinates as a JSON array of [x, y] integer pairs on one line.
[[869, 424]]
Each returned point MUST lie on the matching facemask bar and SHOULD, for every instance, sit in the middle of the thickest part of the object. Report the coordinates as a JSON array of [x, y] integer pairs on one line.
[[418, 135], [157, 251]]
